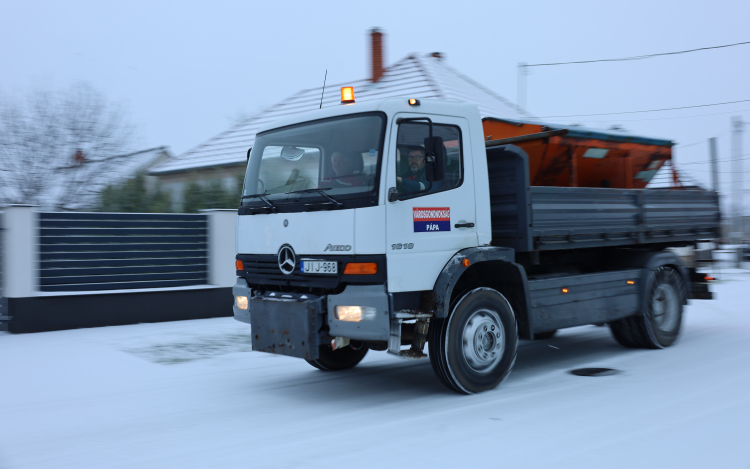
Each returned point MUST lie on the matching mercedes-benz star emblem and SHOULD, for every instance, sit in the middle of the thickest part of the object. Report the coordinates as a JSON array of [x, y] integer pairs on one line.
[[287, 259]]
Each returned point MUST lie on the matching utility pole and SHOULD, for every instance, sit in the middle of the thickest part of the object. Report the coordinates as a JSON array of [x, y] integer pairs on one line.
[[737, 174], [714, 164], [521, 86]]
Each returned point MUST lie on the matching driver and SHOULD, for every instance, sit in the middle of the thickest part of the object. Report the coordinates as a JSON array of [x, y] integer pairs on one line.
[[347, 170], [416, 179]]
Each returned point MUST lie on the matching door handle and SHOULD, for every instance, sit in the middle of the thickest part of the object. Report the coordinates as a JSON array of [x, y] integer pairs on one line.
[[464, 225]]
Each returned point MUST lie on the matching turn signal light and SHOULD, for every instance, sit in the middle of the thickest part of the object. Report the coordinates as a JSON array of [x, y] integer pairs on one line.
[[631, 282], [238, 265], [347, 95], [361, 268], [413, 102]]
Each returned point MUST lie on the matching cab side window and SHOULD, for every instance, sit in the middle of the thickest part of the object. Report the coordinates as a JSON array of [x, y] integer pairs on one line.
[[411, 171]]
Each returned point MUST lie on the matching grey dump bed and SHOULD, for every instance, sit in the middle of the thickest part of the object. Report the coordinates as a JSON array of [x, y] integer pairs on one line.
[[548, 218]]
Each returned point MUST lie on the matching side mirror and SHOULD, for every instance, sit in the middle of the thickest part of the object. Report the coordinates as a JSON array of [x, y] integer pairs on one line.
[[434, 159], [248, 153], [392, 194]]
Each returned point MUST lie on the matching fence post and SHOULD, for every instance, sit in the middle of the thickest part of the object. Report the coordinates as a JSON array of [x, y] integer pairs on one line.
[[20, 256], [221, 247], [4, 314]]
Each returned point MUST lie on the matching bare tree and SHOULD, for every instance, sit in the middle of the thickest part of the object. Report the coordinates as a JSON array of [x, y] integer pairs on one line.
[[57, 148]]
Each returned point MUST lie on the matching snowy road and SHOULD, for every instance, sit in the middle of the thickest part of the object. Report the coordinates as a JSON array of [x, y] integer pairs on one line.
[[191, 394]]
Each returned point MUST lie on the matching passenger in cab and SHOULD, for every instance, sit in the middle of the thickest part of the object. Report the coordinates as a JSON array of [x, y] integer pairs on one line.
[[347, 168]]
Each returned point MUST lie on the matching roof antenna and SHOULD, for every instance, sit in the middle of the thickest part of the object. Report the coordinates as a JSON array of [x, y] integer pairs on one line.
[[324, 90]]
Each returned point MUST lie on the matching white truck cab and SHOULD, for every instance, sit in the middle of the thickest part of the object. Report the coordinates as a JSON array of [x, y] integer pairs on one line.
[[416, 241]]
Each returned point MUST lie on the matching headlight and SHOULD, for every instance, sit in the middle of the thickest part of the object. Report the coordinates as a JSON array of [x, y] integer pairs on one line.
[[355, 313], [240, 302]]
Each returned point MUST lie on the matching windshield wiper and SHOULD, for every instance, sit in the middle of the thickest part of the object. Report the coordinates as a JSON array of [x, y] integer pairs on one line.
[[321, 192], [261, 197]]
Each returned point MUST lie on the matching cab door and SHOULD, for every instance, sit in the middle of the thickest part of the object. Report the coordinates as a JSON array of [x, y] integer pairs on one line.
[[426, 227]]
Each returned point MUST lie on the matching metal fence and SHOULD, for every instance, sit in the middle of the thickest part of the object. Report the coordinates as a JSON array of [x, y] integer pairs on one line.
[[116, 251], [67, 270]]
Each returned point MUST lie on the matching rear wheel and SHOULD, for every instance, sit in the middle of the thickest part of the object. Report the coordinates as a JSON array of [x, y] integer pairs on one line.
[[659, 325], [340, 359], [474, 348]]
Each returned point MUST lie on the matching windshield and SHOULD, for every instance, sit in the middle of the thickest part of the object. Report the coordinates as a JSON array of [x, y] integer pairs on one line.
[[334, 162]]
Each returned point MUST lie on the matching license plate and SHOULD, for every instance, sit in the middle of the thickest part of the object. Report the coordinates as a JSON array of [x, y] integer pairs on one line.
[[319, 267]]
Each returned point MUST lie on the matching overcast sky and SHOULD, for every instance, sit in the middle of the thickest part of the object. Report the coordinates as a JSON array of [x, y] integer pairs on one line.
[[186, 70]]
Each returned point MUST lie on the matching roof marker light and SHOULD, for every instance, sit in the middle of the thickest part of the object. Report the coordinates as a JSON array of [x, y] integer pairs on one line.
[[564, 290], [347, 95], [413, 102], [631, 282]]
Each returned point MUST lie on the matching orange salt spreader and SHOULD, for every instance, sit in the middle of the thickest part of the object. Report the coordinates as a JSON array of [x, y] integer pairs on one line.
[[578, 157]]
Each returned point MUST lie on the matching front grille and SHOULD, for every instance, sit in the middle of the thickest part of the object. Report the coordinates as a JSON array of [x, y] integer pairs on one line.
[[263, 270]]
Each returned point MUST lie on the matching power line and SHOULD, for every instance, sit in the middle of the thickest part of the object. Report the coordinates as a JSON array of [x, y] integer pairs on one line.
[[650, 110], [670, 118], [718, 161], [636, 57], [686, 145], [721, 172]]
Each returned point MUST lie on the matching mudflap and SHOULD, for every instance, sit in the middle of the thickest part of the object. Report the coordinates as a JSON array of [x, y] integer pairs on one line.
[[287, 325]]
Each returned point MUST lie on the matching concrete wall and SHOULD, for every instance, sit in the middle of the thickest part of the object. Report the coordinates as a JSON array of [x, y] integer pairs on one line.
[[20, 255]]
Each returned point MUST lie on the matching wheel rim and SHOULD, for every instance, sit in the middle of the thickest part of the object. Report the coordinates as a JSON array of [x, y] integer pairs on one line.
[[483, 341], [665, 307]]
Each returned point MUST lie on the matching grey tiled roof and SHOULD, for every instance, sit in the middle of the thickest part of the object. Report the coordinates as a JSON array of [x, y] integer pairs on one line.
[[415, 77]]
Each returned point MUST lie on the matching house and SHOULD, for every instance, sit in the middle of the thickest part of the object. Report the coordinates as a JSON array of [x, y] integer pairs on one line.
[[415, 76], [83, 180]]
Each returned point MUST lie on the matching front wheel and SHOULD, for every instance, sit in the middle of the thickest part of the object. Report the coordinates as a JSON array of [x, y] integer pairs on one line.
[[341, 359], [474, 348]]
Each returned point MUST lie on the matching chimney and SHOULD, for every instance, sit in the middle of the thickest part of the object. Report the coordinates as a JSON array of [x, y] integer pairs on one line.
[[376, 54]]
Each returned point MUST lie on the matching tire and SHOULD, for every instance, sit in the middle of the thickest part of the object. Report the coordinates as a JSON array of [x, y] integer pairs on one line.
[[544, 335], [660, 323], [474, 348], [341, 359]]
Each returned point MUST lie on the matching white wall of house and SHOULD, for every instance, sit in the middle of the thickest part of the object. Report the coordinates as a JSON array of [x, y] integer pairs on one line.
[[175, 183]]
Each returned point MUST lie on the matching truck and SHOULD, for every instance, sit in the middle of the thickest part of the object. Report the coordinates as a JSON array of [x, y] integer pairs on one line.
[[399, 224]]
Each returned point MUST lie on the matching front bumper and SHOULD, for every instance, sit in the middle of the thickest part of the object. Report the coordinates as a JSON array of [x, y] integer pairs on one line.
[[240, 288], [374, 296], [296, 325]]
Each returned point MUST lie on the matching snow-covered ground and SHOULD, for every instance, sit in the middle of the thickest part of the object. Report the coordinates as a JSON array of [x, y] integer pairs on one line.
[[191, 394]]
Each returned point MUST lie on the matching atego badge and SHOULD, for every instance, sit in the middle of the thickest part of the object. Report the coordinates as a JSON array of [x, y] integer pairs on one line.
[[432, 219]]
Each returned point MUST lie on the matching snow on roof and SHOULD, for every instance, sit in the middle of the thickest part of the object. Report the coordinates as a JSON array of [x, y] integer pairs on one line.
[[414, 77], [128, 165]]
